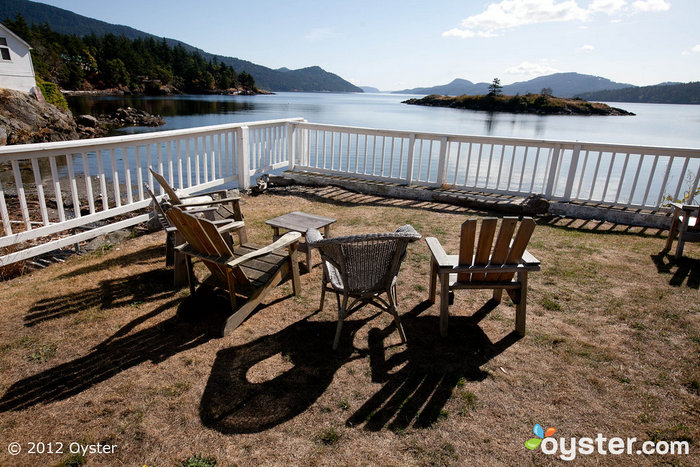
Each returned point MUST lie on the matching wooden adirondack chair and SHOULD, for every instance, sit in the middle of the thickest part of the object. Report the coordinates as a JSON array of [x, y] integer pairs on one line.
[[487, 268], [685, 223], [247, 272], [218, 199], [174, 238]]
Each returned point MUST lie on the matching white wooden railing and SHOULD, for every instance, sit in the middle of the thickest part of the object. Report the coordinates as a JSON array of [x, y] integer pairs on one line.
[[57, 194], [608, 174], [54, 195]]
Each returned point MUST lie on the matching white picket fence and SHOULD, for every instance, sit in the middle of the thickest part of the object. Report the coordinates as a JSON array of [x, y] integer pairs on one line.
[[71, 191], [67, 192]]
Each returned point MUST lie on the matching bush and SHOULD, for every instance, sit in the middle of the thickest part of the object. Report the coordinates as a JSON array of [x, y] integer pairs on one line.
[[51, 93]]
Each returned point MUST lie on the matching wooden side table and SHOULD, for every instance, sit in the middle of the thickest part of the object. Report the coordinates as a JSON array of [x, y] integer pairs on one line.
[[298, 221]]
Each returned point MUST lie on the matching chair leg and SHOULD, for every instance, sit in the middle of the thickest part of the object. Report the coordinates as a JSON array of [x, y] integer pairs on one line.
[[433, 280], [679, 248], [520, 309], [296, 285], [191, 278], [497, 294], [672, 230], [169, 249], [323, 297], [393, 309], [341, 316], [444, 303], [338, 330]]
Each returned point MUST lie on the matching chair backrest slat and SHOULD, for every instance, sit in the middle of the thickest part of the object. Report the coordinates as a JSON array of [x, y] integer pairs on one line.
[[160, 214], [527, 226], [166, 187], [483, 248], [203, 236], [500, 250], [466, 248]]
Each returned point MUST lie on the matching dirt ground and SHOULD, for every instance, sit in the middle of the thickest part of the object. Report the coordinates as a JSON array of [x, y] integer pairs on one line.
[[102, 350]]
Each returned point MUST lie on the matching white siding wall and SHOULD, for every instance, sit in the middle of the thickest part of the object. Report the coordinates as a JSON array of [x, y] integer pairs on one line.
[[18, 72]]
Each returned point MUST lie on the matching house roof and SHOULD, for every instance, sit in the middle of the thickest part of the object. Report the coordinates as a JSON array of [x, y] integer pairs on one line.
[[8, 31]]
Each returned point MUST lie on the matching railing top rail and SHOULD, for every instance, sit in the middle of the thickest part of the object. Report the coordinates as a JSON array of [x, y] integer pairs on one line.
[[564, 144], [86, 144]]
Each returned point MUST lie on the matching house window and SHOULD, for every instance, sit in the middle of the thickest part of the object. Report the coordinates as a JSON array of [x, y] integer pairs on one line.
[[4, 49]]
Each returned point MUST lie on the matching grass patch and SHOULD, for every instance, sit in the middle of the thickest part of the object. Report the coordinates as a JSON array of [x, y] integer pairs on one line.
[[328, 436], [42, 353], [468, 402], [198, 461], [73, 460]]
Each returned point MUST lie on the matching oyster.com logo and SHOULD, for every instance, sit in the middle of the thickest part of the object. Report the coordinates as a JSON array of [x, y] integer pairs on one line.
[[533, 443]]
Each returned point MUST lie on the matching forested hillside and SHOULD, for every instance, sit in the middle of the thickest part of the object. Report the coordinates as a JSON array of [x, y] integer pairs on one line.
[[136, 65], [686, 93], [312, 78]]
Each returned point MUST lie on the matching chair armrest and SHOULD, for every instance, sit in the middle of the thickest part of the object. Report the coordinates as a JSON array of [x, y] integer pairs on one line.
[[285, 240], [529, 260], [198, 209], [216, 201], [227, 225], [438, 252]]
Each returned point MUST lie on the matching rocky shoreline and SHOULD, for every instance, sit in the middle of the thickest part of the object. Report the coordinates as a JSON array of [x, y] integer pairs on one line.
[[27, 119]]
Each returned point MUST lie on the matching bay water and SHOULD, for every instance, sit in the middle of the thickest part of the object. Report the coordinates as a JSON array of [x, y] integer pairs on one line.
[[653, 124]]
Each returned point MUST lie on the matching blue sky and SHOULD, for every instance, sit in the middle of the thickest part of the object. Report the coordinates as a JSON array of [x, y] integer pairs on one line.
[[403, 44]]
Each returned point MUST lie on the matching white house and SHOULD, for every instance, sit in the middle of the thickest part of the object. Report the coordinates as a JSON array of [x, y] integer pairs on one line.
[[16, 68]]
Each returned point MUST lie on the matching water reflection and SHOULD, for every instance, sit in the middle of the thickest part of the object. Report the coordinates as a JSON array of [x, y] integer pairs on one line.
[[535, 126], [163, 106]]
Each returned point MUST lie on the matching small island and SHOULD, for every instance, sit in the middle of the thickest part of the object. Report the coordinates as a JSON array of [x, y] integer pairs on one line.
[[540, 104]]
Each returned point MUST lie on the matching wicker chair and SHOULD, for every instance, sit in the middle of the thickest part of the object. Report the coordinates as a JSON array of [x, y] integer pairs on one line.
[[362, 267]]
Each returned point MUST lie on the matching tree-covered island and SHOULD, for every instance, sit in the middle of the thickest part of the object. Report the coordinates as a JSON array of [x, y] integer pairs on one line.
[[529, 103], [541, 104]]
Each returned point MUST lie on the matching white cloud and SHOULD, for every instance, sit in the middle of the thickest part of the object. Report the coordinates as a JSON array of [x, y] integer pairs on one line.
[[531, 69], [607, 6], [318, 34], [508, 14], [513, 13], [586, 48], [651, 5], [696, 49]]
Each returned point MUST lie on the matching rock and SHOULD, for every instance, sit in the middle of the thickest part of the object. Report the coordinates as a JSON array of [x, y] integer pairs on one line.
[[130, 117], [24, 119], [107, 241], [535, 204], [87, 121]]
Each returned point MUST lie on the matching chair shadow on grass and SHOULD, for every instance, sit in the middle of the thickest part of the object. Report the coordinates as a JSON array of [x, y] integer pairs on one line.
[[431, 367], [143, 256], [110, 293], [188, 328], [232, 403], [682, 270]]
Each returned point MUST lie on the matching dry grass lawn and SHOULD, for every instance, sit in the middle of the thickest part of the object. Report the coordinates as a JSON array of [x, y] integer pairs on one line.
[[100, 349]]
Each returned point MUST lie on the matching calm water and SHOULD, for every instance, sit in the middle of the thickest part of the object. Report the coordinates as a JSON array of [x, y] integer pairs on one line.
[[654, 124]]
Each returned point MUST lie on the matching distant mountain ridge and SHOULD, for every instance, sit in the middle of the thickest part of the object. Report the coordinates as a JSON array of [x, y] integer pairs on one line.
[[561, 84], [664, 93], [312, 79]]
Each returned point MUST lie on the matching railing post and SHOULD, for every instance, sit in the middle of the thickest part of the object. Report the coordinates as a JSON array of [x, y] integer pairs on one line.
[[549, 186], [442, 162], [409, 161], [244, 159], [291, 136], [572, 172]]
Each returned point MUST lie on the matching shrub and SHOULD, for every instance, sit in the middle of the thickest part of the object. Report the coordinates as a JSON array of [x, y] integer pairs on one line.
[[51, 93]]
